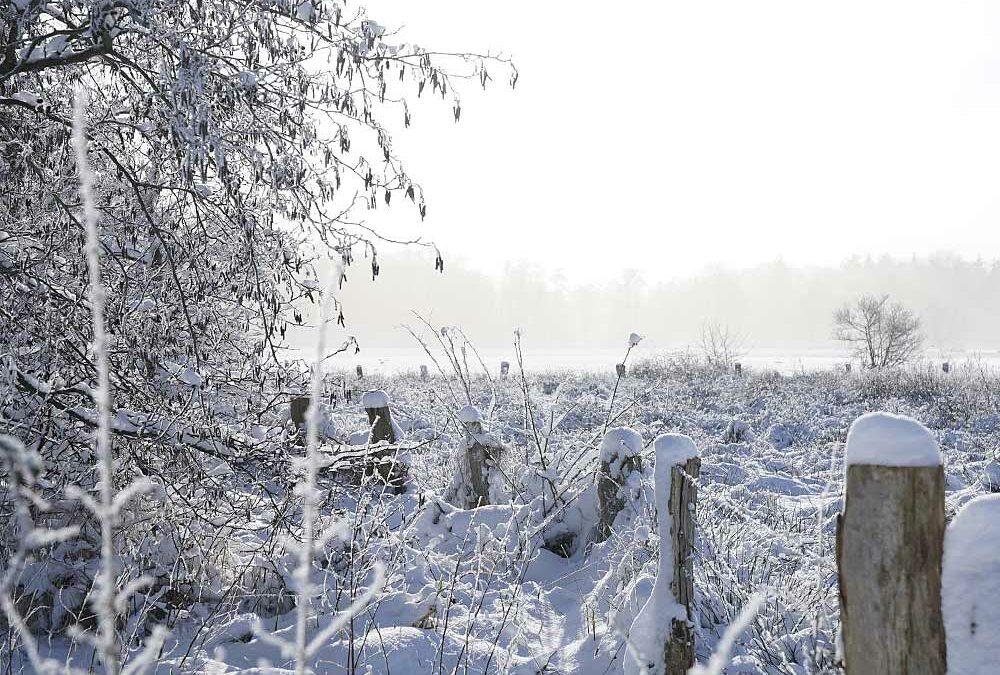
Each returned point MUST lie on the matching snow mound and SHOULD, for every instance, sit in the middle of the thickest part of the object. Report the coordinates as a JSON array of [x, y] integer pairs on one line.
[[469, 415], [891, 440], [375, 399], [188, 376], [619, 444], [991, 476], [738, 431], [970, 587]]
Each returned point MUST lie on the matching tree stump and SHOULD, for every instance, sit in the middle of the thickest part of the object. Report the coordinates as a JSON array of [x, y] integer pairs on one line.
[[889, 549], [298, 407], [383, 439], [481, 453], [376, 404], [619, 457]]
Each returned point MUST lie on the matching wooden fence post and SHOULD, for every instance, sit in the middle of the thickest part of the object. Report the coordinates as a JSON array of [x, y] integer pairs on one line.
[[655, 646], [376, 404], [481, 452], [298, 407], [889, 549], [383, 433], [619, 457], [970, 587]]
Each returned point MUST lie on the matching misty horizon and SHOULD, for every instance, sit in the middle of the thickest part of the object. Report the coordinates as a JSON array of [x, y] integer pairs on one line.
[[769, 305]]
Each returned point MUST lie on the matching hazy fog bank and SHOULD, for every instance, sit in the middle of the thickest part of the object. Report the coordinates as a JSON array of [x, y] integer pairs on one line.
[[773, 305]]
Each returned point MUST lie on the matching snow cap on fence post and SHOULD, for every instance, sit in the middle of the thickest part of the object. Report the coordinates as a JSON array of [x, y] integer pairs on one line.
[[890, 440], [970, 587], [890, 538], [661, 639]]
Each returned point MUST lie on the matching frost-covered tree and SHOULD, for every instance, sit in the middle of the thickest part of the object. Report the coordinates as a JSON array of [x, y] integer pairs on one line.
[[883, 334], [233, 143]]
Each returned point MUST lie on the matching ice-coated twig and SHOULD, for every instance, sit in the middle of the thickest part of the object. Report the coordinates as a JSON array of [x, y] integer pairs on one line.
[[22, 466], [108, 601], [302, 649], [105, 598]]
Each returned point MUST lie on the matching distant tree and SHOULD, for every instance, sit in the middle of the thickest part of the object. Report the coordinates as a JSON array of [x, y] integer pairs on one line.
[[720, 345], [884, 334]]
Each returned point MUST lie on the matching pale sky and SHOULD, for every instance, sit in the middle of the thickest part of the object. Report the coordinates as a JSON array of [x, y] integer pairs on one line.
[[674, 136]]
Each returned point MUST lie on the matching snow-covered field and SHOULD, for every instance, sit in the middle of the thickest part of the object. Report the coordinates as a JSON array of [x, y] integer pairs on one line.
[[395, 360], [520, 586]]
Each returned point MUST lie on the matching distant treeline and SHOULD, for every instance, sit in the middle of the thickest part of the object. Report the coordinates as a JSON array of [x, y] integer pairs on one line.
[[773, 305]]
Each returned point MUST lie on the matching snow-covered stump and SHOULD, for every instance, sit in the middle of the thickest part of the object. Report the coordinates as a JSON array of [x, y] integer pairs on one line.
[[971, 587], [376, 404], [889, 549], [482, 451], [383, 438], [661, 639], [619, 458], [297, 408]]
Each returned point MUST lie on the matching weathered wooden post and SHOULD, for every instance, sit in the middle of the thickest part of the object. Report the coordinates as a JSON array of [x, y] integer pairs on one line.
[[738, 369], [481, 452], [619, 457], [620, 369], [376, 404], [424, 373], [889, 548], [504, 368], [297, 408], [656, 645], [383, 433], [970, 590], [360, 372]]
